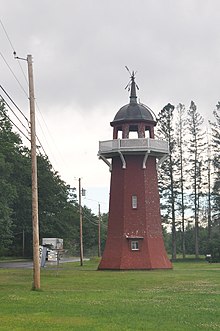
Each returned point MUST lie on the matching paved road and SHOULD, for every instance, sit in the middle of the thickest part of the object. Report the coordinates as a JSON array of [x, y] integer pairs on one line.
[[29, 264]]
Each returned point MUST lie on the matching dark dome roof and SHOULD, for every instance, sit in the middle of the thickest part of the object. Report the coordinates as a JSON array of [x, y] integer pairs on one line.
[[134, 112]]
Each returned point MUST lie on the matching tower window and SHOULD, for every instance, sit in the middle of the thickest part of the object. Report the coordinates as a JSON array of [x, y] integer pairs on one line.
[[147, 134], [134, 202], [119, 134], [133, 134], [134, 245]]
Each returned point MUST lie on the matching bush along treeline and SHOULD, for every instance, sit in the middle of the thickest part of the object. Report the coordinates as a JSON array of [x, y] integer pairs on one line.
[[58, 207], [189, 181]]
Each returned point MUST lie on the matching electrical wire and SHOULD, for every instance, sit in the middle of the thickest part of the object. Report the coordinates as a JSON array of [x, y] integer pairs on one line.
[[89, 219], [14, 103], [94, 222], [6, 34], [7, 64], [10, 98], [17, 127], [13, 49], [43, 133], [84, 211], [100, 202], [14, 114], [51, 137], [25, 77], [13, 74], [42, 148]]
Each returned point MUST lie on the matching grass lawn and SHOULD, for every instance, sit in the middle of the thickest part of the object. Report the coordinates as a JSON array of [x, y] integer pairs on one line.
[[81, 298]]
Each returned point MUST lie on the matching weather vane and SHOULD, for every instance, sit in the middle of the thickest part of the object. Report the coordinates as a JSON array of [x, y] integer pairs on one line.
[[132, 78]]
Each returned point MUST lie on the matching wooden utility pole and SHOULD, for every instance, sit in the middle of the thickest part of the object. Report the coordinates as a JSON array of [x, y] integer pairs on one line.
[[99, 233], [209, 188], [80, 224], [35, 223], [23, 243]]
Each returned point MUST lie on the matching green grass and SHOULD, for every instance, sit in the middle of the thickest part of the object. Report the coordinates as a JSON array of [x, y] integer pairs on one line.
[[81, 298]]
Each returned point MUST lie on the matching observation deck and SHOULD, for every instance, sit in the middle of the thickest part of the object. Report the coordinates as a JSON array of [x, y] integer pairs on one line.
[[121, 147]]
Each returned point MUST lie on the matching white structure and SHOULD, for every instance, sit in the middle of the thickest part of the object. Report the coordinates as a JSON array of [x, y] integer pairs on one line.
[[53, 243]]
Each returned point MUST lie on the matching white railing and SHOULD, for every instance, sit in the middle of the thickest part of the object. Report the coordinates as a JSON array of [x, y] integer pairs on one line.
[[140, 144]]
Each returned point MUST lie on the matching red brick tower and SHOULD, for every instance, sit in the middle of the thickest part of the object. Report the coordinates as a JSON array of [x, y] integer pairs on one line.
[[135, 239]]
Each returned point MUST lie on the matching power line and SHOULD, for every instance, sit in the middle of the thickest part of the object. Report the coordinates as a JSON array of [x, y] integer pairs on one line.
[[96, 200], [88, 219], [18, 117], [6, 34], [14, 113], [14, 103], [42, 147], [17, 128], [52, 139], [13, 74], [28, 121], [10, 98], [92, 221], [85, 216], [25, 77], [13, 49], [14, 52], [9, 40]]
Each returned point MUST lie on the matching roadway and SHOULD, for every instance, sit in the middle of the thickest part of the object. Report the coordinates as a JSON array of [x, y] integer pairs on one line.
[[29, 264]]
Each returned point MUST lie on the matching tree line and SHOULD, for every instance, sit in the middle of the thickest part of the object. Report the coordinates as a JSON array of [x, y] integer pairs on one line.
[[58, 206], [189, 185], [189, 180]]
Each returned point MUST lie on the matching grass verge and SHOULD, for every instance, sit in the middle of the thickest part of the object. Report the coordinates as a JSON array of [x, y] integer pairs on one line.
[[81, 298]]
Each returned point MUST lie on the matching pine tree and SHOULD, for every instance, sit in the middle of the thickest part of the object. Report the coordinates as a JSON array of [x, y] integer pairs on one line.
[[195, 121], [208, 194], [181, 144], [167, 184], [215, 126]]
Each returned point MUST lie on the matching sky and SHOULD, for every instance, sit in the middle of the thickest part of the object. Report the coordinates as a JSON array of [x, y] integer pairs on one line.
[[80, 49]]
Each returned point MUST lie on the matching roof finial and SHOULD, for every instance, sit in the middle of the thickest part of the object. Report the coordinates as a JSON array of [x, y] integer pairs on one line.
[[131, 86]]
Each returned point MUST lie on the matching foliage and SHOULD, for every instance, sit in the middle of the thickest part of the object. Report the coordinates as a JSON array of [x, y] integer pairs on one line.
[[58, 208], [181, 169], [9, 151], [195, 121], [185, 180], [216, 163], [167, 182], [182, 180]]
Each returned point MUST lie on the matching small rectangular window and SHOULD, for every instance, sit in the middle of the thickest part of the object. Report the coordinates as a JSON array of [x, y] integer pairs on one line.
[[134, 202], [134, 245]]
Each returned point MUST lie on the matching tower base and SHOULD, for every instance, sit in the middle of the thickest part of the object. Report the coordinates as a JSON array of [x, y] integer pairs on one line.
[[148, 257], [135, 238]]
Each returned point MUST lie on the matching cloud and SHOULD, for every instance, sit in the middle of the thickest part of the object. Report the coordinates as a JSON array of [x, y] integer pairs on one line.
[[80, 49]]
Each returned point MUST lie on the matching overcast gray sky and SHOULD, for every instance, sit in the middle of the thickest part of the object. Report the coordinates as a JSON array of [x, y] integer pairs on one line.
[[80, 49]]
